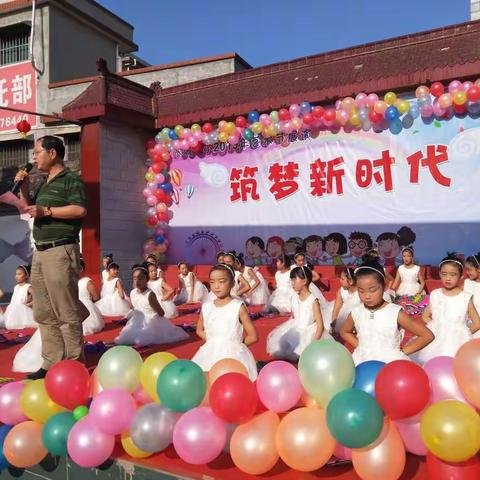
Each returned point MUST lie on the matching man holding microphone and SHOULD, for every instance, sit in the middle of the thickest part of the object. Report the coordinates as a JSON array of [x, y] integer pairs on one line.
[[57, 209]]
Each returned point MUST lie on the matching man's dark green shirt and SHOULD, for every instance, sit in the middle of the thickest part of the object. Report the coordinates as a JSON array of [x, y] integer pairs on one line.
[[67, 188]]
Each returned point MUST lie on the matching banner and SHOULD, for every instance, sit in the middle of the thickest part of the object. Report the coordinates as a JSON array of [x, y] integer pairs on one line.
[[334, 196]]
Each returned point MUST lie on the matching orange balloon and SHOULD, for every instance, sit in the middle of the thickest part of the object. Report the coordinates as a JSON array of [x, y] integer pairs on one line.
[[206, 398], [226, 365], [467, 370], [384, 459], [95, 387], [252, 446], [303, 440], [23, 445], [309, 401]]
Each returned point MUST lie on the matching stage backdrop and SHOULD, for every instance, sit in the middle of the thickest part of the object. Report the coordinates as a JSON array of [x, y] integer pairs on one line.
[[335, 195]]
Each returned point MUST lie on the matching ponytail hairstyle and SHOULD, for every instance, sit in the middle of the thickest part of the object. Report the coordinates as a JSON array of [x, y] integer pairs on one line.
[[350, 273], [452, 258], [108, 256], [285, 259], [474, 260], [241, 260], [371, 267], [304, 273]]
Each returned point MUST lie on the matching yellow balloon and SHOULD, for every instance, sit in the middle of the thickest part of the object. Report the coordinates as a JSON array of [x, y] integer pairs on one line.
[[403, 106], [355, 120], [36, 404], [196, 128], [230, 128], [151, 369], [131, 449], [450, 429], [222, 124], [179, 130], [390, 98], [257, 127], [223, 137]]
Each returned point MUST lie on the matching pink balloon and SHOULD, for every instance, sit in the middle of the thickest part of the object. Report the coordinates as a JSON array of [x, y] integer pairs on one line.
[[278, 386], [10, 411], [146, 192], [466, 85], [176, 144], [372, 99], [287, 127], [361, 100], [141, 396], [151, 186], [159, 178], [87, 445], [342, 453], [151, 200], [426, 111], [199, 436], [442, 380], [410, 433], [454, 86], [342, 117], [294, 110], [112, 411], [437, 109], [265, 119], [198, 136]]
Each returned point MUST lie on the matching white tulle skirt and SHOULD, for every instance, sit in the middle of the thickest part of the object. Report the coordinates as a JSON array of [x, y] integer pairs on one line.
[[200, 293], [94, 323], [169, 308], [280, 300], [113, 305], [18, 316], [29, 357]]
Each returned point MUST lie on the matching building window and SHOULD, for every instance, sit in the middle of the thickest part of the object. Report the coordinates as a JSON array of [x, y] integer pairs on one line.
[[72, 152], [14, 45]]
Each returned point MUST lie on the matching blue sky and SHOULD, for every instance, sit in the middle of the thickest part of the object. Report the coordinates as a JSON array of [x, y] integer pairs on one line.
[[269, 31]]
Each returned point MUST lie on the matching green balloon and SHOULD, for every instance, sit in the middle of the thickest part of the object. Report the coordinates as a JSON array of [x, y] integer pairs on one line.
[[354, 418], [181, 385], [55, 432], [80, 412], [325, 368]]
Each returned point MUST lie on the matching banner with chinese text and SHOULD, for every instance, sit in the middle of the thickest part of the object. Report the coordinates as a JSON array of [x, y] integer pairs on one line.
[[334, 195]]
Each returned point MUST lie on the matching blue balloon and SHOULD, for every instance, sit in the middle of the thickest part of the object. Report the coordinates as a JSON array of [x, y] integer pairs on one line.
[[392, 113], [4, 429], [305, 107], [166, 187], [159, 239], [172, 135], [253, 117], [365, 376], [396, 126], [414, 110], [248, 134]]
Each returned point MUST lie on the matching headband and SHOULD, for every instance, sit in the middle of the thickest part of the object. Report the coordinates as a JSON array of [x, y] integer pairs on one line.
[[110, 263], [228, 267], [476, 260], [366, 267], [140, 268], [24, 268], [409, 249], [349, 275], [458, 262]]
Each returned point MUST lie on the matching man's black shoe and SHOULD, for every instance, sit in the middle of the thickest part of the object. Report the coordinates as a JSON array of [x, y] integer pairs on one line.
[[37, 375]]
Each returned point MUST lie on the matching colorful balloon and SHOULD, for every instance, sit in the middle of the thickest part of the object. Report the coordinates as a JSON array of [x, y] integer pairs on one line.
[[366, 374], [151, 369], [226, 365], [55, 432], [4, 429], [130, 448], [11, 411], [410, 433], [467, 370], [303, 439], [23, 446], [440, 470], [35, 402]]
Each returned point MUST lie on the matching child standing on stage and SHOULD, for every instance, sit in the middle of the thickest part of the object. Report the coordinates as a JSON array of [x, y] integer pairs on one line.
[[472, 283], [409, 278], [192, 290], [447, 313], [222, 324], [241, 286], [290, 339], [19, 313], [281, 298], [113, 302], [163, 291], [106, 260], [146, 323], [374, 328], [346, 300], [87, 293], [258, 293]]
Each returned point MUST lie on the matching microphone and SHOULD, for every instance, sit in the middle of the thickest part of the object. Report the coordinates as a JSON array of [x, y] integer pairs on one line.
[[16, 185]]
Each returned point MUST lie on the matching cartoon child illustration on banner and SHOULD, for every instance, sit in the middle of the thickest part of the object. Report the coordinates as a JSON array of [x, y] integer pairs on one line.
[[336, 247], [275, 249], [313, 248], [293, 245], [255, 252], [359, 243], [390, 244]]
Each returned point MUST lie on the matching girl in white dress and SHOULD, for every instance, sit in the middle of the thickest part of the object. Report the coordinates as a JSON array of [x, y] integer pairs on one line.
[[374, 328], [447, 313], [192, 290], [87, 293], [409, 279], [258, 293], [281, 299], [163, 291], [106, 260], [19, 313], [146, 324], [346, 300], [241, 286], [290, 339], [113, 301], [2, 316], [152, 259], [222, 324], [472, 283]]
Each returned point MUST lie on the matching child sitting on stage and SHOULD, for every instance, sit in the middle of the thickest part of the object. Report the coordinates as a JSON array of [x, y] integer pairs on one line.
[[19, 313], [289, 339], [222, 324], [281, 298], [146, 323], [113, 301], [374, 327], [87, 293], [240, 285], [346, 300], [258, 293], [163, 291], [472, 283], [192, 290]]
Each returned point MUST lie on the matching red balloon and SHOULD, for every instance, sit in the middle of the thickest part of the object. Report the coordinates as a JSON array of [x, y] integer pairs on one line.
[[330, 115], [207, 127], [197, 148], [440, 470], [473, 93], [459, 109], [233, 398], [150, 143], [152, 221], [241, 122], [161, 195], [158, 167], [162, 217], [437, 89], [374, 117], [68, 384], [166, 157], [308, 119], [402, 389], [318, 111], [284, 114]]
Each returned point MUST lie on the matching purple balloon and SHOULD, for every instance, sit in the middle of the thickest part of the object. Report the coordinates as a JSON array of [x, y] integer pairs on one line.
[[87, 445], [10, 410], [442, 380], [199, 436], [278, 386], [112, 411], [410, 433]]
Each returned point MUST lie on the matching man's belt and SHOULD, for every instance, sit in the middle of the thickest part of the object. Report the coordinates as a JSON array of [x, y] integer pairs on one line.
[[41, 247]]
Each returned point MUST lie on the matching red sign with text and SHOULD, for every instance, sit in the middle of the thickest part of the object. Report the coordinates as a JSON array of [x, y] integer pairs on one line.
[[17, 90]]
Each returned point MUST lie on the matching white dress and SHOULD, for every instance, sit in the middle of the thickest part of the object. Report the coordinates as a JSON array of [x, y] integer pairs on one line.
[[350, 301], [326, 307], [111, 304], [200, 291], [104, 275], [448, 324], [379, 338], [291, 338], [17, 314], [167, 305], [408, 280], [260, 295], [224, 337], [470, 286], [94, 322], [145, 326], [29, 357], [281, 298]]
